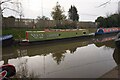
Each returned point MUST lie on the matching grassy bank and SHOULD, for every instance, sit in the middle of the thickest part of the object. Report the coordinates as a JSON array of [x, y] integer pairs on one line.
[[92, 30], [17, 33]]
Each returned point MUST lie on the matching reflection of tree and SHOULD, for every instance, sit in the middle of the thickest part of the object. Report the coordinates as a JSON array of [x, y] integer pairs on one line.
[[107, 44], [72, 50], [5, 61], [22, 69], [59, 56], [21, 52], [116, 56]]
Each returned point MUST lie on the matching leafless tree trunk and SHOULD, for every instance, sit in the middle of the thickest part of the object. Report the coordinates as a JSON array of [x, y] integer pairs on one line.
[[1, 26], [2, 9], [0, 31], [1, 2], [0, 18]]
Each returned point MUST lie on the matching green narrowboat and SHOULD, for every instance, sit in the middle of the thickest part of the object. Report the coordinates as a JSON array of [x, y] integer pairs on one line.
[[54, 34]]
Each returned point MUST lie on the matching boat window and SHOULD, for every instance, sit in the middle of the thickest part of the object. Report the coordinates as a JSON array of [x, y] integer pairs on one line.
[[59, 34], [100, 31], [84, 32]]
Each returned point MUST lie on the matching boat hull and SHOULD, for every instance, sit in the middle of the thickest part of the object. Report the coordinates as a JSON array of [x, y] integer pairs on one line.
[[102, 31], [6, 40]]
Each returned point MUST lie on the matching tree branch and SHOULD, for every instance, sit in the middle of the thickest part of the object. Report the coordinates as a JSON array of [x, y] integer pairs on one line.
[[5, 1], [12, 10]]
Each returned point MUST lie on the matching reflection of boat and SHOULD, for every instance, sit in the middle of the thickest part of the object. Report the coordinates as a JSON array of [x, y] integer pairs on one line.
[[6, 40], [117, 41], [101, 31], [107, 40]]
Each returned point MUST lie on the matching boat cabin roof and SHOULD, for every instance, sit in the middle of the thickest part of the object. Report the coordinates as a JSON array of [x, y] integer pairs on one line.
[[53, 30]]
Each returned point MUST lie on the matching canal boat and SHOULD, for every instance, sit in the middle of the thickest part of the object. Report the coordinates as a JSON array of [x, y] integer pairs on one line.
[[7, 71], [6, 40], [54, 34], [117, 40], [101, 31]]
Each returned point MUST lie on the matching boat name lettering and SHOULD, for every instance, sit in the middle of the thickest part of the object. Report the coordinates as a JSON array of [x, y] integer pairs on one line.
[[52, 35], [37, 36]]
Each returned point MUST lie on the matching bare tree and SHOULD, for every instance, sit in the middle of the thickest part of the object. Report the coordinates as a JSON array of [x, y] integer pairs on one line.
[[1, 17], [2, 9], [0, 31]]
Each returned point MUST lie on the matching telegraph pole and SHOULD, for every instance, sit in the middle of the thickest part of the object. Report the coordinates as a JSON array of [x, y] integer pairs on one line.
[[0, 18], [0, 31]]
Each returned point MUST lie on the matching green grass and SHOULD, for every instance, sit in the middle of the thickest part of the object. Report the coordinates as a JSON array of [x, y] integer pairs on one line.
[[92, 30], [17, 33]]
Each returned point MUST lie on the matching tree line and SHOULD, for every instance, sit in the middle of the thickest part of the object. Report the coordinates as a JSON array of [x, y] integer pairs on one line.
[[109, 21], [58, 16], [58, 13]]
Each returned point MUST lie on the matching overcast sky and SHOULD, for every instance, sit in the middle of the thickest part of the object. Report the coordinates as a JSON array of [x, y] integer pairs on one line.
[[87, 9]]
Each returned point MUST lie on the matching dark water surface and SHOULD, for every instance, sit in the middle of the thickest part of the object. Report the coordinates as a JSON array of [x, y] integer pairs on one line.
[[89, 58]]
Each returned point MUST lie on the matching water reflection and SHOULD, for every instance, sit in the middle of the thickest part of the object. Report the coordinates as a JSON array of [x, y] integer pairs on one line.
[[75, 59], [57, 50]]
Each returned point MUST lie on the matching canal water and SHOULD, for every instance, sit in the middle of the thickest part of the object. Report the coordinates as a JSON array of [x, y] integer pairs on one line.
[[84, 58]]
